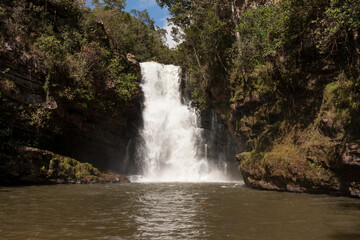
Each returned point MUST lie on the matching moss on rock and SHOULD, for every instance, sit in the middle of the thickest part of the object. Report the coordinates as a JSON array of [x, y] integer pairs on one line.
[[36, 166], [320, 158]]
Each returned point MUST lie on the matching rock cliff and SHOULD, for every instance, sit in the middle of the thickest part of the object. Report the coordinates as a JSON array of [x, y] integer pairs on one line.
[[72, 96], [293, 109], [308, 143], [86, 133]]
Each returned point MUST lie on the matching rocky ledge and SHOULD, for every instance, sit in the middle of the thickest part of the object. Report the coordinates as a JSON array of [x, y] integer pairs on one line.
[[36, 166], [313, 149], [291, 168]]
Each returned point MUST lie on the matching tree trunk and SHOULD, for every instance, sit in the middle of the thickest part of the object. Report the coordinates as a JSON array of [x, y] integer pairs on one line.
[[235, 19], [199, 64], [357, 55]]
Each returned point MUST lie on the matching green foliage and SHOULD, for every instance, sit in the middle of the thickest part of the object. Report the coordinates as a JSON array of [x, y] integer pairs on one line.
[[262, 31], [144, 17], [110, 4], [340, 19], [263, 35], [132, 33], [125, 84], [69, 169], [263, 50], [206, 40], [337, 35], [342, 95], [274, 63], [82, 47], [78, 55], [3, 72]]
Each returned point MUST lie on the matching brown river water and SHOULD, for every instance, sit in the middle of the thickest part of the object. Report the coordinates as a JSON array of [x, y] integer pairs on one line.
[[173, 211]]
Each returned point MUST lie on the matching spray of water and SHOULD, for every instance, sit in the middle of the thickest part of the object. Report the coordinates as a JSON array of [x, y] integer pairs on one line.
[[170, 134]]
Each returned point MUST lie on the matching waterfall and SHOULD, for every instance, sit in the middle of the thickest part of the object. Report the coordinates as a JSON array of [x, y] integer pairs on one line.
[[171, 132]]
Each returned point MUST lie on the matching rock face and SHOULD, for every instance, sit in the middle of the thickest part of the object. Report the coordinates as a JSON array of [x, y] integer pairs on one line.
[[316, 153], [69, 103], [216, 144], [294, 115], [84, 132], [36, 166]]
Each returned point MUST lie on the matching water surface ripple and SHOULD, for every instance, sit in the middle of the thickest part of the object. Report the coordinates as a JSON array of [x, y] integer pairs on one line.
[[173, 211]]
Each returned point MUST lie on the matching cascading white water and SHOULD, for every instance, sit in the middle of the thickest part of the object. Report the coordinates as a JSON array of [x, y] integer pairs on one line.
[[170, 132]]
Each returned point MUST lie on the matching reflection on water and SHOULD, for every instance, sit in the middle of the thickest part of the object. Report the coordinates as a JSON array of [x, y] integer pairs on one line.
[[173, 211], [168, 212]]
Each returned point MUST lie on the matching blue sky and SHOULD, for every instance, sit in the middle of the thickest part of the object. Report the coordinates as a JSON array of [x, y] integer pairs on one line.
[[159, 15], [155, 12]]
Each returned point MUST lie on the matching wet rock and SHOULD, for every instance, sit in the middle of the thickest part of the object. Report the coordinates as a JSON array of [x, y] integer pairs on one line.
[[291, 187], [355, 190], [103, 179], [36, 166], [329, 127], [351, 154], [113, 178], [247, 103], [260, 184]]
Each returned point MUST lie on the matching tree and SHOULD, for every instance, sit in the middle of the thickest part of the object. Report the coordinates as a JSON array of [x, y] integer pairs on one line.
[[110, 4]]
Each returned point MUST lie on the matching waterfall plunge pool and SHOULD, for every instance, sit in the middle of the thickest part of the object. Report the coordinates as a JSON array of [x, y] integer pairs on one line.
[[173, 149], [173, 211]]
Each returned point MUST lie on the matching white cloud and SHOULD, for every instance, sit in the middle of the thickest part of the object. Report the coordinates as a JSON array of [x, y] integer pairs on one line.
[[169, 39], [163, 21]]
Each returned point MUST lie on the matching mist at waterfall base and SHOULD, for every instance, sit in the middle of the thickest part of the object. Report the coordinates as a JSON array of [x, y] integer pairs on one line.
[[173, 145]]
